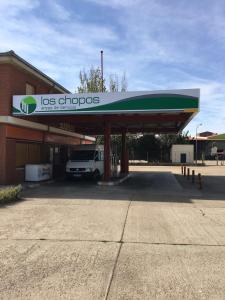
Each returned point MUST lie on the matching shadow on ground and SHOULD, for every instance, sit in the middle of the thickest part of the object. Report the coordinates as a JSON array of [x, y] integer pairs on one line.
[[213, 187], [141, 186]]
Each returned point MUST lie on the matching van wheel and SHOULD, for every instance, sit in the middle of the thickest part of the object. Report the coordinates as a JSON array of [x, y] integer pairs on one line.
[[96, 175]]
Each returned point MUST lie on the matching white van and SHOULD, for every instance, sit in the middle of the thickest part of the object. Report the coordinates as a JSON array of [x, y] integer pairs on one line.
[[86, 160]]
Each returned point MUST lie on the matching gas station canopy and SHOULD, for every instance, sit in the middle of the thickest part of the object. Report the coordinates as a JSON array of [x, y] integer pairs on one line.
[[166, 111]]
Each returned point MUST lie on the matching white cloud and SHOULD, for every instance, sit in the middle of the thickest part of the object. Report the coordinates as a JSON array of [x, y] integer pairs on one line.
[[116, 3], [13, 7], [60, 50], [212, 110], [59, 11]]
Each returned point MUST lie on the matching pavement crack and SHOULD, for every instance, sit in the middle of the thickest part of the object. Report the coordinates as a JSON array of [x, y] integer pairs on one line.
[[119, 250], [175, 244], [113, 272], [110, 241], [125, 221]]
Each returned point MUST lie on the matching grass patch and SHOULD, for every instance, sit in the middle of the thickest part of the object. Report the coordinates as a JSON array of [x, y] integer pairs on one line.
[[10, 194]]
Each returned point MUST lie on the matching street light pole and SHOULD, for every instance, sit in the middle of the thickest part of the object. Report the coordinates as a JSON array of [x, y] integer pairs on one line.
[[196, 144]]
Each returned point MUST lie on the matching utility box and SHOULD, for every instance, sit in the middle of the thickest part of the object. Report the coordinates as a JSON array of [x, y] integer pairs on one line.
[[38, 172], [182, 154]]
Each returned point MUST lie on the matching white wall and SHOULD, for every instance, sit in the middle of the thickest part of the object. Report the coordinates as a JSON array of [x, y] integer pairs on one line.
[[177, 150]]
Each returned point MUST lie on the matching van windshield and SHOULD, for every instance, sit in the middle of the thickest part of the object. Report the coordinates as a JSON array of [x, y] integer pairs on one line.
[[82, 155]]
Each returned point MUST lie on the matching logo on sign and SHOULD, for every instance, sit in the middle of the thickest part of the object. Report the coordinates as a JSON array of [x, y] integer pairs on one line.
[[28, 105]]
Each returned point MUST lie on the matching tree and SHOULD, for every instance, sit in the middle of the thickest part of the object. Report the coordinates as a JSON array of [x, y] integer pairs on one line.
[[91, 81], [167, 140], [115, 85], [124, 83], [146, 147], [154, 147]]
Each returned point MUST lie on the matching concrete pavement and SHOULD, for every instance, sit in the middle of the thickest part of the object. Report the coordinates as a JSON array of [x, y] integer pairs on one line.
[[169, 272], [149, 238], [55, 269]]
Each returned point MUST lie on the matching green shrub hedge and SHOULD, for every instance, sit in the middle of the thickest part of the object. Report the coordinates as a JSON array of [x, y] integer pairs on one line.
[[10, 194]]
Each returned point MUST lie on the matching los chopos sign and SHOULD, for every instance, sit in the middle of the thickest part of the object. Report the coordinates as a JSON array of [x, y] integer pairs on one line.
[[103, 103]]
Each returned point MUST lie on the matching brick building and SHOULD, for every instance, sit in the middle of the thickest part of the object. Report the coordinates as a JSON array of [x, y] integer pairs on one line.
[[29, 141]]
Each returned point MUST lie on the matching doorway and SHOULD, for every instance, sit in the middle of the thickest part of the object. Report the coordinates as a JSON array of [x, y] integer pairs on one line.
[[183, 158]]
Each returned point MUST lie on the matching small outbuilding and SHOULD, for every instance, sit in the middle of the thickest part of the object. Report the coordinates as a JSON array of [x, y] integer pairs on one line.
[[182, 154]]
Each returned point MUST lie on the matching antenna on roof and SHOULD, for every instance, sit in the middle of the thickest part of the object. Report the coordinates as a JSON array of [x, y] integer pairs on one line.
[[102, 71]]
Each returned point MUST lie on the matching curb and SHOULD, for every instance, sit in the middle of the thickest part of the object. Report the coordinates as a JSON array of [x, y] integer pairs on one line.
[[35, 184], [116, 182]]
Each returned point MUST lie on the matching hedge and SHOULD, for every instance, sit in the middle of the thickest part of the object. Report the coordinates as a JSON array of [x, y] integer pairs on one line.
[[10, 194]]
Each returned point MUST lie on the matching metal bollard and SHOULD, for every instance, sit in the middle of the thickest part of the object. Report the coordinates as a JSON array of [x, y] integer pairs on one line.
[[188, 173], [200, 180], [193, 176], [184, 171]]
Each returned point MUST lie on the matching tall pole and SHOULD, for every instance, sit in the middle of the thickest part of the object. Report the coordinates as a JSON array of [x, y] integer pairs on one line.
[[107, 157], [123, 152], [102, 70], [196, 143]]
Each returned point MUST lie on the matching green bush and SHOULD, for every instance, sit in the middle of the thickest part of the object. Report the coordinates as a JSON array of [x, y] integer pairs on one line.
[[10, 194]]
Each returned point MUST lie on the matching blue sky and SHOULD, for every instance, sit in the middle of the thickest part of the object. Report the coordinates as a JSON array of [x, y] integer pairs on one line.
[[160, 44]]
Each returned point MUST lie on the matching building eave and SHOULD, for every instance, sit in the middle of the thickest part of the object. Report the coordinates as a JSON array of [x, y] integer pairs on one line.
[[38, 126], [12, 58]]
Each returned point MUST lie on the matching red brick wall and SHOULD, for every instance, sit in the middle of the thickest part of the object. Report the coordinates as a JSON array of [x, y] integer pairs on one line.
[[13, 81], [5, 88], [9, 134], [8, 173], [2, 153], [10, 169]]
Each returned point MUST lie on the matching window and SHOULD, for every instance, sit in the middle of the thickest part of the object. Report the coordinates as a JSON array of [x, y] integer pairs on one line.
[[82, 155], [30, 89]]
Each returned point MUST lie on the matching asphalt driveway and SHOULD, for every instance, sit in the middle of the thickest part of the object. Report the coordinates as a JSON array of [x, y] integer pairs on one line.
[[149, 238]]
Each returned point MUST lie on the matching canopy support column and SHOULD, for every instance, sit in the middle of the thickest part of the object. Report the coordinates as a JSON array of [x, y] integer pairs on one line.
[[107, 157], [124, 154]]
